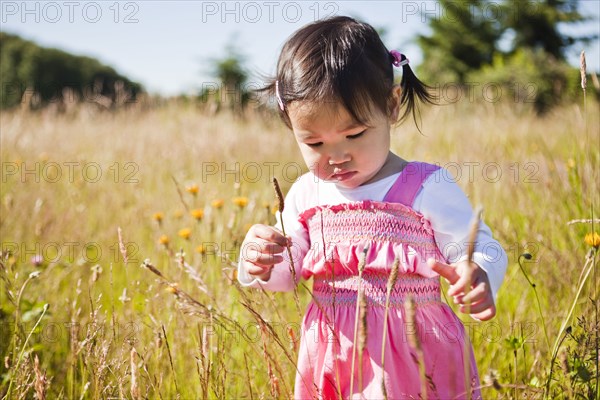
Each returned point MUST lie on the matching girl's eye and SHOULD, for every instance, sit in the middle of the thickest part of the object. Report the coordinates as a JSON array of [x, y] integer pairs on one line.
[[356, 136], [314, 144]]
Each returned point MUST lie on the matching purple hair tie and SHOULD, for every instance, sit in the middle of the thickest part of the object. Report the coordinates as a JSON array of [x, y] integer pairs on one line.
[[398, 61], [279, 100]]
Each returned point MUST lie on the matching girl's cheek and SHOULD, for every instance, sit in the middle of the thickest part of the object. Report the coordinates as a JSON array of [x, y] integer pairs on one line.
[[318, 169]]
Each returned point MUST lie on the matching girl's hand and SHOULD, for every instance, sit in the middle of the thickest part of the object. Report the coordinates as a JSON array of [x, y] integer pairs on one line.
[[472, 280], [262, 249]]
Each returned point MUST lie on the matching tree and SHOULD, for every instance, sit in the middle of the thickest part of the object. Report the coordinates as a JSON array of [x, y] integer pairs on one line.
[[49, 72], [466, 34], [463, 39], [232, 76], [534, 25], [464, 47]]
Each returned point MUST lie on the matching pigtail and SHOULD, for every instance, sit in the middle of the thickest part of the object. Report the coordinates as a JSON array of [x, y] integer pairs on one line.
[[413, 90]]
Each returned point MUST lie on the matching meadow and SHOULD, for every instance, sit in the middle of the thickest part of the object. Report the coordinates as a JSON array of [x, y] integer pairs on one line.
[[120, 233]]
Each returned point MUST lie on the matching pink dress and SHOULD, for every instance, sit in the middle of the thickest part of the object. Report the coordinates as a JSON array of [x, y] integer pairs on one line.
[[388, 229]]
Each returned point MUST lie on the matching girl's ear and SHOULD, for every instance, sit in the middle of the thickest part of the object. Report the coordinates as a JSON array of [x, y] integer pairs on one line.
[[394, 103]]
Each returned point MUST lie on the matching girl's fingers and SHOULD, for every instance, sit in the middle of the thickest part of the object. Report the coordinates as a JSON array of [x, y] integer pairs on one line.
[[270, 234], [250, 248], [253, 269], [462, 285], [486, 314], [272, 248], [476, 308], [444, 270], [262, 259], [477, 294], [466, 282]]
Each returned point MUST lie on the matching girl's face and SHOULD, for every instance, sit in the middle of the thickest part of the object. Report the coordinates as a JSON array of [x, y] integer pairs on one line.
[[336, 148]]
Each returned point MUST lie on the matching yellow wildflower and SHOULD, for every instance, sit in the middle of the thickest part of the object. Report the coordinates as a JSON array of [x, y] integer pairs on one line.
[[197, 213], [570, 163], [200, 249], [193, 189], [164, 240], [240, 201], [158, 217], [178, 214], [185, 233], [592, 239], [217, 203]]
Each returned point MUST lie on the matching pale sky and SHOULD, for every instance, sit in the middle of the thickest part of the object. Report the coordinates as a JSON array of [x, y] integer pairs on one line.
[[165, 45]]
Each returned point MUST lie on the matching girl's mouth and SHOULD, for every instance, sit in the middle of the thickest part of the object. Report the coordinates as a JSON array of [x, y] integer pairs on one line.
[[343, 176]]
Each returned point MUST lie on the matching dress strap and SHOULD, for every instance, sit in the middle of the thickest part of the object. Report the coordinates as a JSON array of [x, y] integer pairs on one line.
[[408, 184]]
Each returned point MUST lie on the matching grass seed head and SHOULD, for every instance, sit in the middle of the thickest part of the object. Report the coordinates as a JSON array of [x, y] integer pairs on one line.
[[582, 70], [363, 260], [393, 274], [280, 198]]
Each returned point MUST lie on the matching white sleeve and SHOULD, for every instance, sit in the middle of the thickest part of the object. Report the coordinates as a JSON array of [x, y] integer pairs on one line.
[[281, 279], [448, 210]]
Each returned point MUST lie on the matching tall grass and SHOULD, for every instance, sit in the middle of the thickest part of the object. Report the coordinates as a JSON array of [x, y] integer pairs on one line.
[[114, 329]]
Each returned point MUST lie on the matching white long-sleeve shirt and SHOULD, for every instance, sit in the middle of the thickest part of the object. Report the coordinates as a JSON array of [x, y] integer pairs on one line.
[[440, 200]]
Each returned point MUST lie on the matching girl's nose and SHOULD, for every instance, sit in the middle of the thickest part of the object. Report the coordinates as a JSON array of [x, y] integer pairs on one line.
[[339, 158]]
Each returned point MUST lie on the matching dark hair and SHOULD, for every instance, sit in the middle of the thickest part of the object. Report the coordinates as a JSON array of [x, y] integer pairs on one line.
[[342, 59]]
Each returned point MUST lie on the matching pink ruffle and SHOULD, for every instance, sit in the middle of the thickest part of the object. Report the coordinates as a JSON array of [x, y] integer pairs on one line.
[[362, 205], [345, 250], [379, 258]]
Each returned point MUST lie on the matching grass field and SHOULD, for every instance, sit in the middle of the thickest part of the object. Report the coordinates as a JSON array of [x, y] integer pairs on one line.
[[183, 187]]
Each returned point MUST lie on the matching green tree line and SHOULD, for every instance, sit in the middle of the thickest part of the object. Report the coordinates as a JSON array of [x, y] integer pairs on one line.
[[47, 72], [515, 44]]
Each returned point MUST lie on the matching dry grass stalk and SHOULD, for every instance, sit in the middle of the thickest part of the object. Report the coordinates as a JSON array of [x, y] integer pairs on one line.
[[584, 221], [279, 194], [248, 377], [41, 381], [390, 286], [186, 303], [203, 360], [192, 273], [582, 70], [22, 354], [470, 251], [473, 233], [273, 380], [362, 336], [135, 389], [261, 322], [357, 317], [281, 201], [122, 247], [187, 209], [170, 358], [7, 282], [146, 264], [413, 341]]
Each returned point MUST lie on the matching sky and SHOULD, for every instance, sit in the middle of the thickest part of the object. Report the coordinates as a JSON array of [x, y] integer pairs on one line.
[[167, 45]]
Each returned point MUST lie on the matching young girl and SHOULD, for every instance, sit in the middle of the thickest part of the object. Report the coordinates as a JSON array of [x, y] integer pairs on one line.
[[335, 90]]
